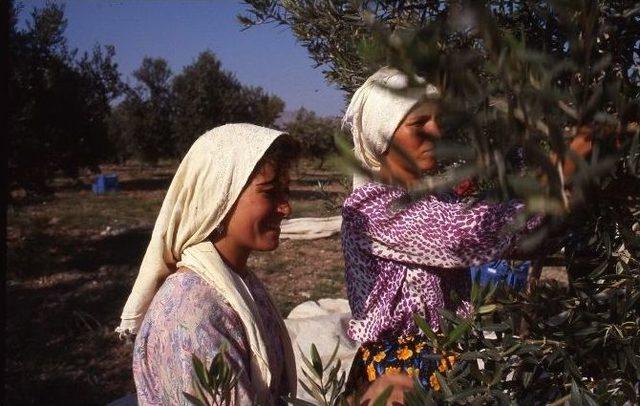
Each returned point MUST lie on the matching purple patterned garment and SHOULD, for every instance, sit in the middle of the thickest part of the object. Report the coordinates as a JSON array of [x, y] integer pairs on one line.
[[188, 316], [404, 259]]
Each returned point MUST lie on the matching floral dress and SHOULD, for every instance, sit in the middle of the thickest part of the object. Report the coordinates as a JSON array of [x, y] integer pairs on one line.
[[404, 257], [188, 316]]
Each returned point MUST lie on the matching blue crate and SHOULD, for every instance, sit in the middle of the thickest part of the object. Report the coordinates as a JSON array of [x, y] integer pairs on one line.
[[105, 183], [501, 272]]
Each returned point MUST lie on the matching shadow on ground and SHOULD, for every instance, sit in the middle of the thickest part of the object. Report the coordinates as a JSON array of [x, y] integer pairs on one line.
[[67, 352], [147, 184]]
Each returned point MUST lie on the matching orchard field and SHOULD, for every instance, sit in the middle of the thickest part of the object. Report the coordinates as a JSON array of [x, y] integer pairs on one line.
[[73, 258], [519, 82]]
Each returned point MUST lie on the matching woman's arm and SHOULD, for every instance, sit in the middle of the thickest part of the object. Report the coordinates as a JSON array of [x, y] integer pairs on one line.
[[438, 233], [429, 231]]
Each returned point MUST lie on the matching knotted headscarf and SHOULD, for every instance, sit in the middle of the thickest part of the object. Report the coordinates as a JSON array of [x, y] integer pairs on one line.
[[377, 108], [205, 187]]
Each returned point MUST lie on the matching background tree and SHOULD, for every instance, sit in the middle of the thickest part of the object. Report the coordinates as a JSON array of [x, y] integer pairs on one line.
[[207, 96], [261, 108], [520, 76], [142, 124], [58, 103], [314, 133]]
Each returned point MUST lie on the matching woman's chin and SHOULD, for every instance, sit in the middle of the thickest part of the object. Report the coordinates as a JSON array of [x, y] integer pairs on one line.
[[269, 241], [426, 165]]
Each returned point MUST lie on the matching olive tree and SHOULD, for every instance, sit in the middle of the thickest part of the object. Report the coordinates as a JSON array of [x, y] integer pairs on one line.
[[523, 77]]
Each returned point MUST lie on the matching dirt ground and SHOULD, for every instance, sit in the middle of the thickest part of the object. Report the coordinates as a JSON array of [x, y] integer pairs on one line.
[[72, 259]]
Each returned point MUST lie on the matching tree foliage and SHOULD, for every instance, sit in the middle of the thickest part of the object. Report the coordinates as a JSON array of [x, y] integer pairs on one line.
[[523, 77], [340, 34], [163, 114], [207, 96], [142, 124], [58, 102]]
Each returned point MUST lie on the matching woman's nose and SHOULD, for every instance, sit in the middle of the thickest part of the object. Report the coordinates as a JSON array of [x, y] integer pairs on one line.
[[432, 129]]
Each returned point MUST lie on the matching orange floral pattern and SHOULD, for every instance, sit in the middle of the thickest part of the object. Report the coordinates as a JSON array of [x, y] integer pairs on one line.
[[404, 353], [371, 373], [446, 363], [407, 354], [433, 382], [392, 370], [380, 356]]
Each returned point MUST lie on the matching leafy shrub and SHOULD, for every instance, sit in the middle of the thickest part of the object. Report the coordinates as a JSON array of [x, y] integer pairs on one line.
[[214, 385]]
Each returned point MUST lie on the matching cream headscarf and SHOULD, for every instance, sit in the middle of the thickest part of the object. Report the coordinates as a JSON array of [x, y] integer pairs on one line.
[[376, 110], [206, 185]]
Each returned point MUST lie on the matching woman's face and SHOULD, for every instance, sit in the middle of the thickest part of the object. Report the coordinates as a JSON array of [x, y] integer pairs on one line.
[[254, 223], [412, 152]]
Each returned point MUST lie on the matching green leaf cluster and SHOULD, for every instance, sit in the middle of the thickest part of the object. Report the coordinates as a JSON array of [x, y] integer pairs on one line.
[[542, 346], [215, 385], [324, 382]]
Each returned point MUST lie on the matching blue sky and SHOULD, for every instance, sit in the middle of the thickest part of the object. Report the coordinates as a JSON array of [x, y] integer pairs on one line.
[[178, 31]]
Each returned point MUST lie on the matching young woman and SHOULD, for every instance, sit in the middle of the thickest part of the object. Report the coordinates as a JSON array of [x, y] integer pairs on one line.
[[194, 294], [405, 258]]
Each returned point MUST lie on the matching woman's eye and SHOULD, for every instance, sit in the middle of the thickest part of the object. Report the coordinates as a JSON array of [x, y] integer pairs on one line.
[[421, 122]]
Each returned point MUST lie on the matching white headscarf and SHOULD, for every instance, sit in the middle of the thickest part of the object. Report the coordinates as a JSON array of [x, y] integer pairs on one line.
[[376, 110], [205, 187]]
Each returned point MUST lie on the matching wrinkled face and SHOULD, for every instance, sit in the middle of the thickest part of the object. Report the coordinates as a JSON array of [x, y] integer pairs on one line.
[[415, 139], [254, 223]]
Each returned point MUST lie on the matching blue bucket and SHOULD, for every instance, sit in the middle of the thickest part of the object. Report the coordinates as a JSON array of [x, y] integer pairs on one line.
[[105, 183], [501, 272]]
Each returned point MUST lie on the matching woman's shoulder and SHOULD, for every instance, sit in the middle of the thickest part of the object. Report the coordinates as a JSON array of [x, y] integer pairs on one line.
[[188, 313], [373, 193], [375, 199], [189, 298], [187, 317], [184, 281]]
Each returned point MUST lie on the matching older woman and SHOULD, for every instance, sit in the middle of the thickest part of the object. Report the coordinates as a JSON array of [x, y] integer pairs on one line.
[[405, 258], [194, 294]]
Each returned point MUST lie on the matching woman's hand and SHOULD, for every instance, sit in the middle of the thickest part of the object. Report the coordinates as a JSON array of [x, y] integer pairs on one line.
[[582, 145], [400, 384]]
